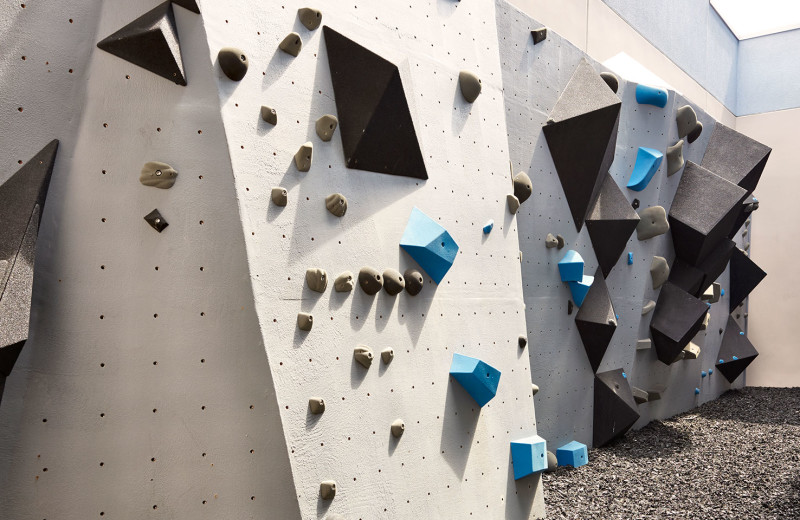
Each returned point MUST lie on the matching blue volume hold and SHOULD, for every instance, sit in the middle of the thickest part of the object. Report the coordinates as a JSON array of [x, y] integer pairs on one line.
[[647, 163], [429, 244], [571, 267], [529, 456], [581, 289], [573, 454], [479, 379], [651, 96]]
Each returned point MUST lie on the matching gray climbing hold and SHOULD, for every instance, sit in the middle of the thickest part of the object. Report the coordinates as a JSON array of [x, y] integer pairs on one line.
[[652, 223], [686, 118], [233, 62], [643, 344], [155, 219], [304, 321], [552, 462], [292, 44], [387, 355], [344, 282], [712, 294], [279, 196], [363, 354], [317, 405], [327, 489], [326, 126], [706, 321], [746, 247], [158, 174], [648, 307], [654, 395], [513, 204], [303, 157], [611, 80], [414, 281], [550, 241], [534, 388], [311, 18], [675, 158], [398, 427], [336, 204], [522, 341], [561, 241], [539, 35], [317, 279], [393, 282], [523, 187], [659, 271], [695, 133], [370, 280], [691, 351], [639, 395], [269, 115], [470, 85]]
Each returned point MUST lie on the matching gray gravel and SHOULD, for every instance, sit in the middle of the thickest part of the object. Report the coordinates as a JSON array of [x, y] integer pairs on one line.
[[737, 457]]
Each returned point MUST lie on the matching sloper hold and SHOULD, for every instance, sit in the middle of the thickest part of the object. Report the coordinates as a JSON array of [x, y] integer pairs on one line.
[[158, 174], [513, 203], [393, 282], [652, 223], [745, 276], [615, 409], [326, 126], [735, 352], [659, 271], [523, 187], [156, 221], [581, 134], [694, 134], [646, 95], [336, 203], [647, 162], [529, 456], [233, 62], [309, 17], [539, 35], [429, 244], [370, 280], [703, 212], [269, 115], [479, 379], [151, 42], [279, 196], [470, 85], [363, 354], [580, 289], [317, 279], [686, 119], [292, 44], [304, 157], [414, 281], [376, 127], [570, 267], [611, 223], [735, 157], [677, 318], [305, 321], [675, 158], [596, 321], [572, 454]]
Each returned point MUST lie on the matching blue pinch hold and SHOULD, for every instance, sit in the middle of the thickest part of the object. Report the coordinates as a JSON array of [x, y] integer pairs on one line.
[[741, 333], [722, 292], [529, 456], [630, 258], [570, 267], [580, 289], [703, 374], [572, 454], [710, 371], [487, 228], [651, 96], [625, 375], [735, 358], [721, 360], [696, 391], [647, 162], [429, 244], [478, 378]]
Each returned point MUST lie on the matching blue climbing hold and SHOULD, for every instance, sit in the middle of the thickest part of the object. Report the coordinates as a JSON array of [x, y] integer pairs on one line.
[[529, 456], [721, 360], [571, 267], [651, 96], [710, 371], [696, 391], [478, 379], [625, 375], [429, 244], [488, 227], [630, 258], [647, 163], [741, 333], [572, 454], [722, 292], [581, 289], [703, 374], [735, 358]]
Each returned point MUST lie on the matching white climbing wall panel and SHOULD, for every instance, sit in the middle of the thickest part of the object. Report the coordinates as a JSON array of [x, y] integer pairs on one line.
[[533, 79]]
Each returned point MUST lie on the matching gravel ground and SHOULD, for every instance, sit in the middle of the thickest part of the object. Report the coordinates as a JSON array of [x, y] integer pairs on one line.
[[737, 457]]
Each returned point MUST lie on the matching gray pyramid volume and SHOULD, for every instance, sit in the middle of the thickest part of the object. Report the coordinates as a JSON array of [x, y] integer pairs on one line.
[[22, 199], [596, 321], [615, 409], [677, 318], [582, 135], [377, 131], [611, 222], [151, 42], [735, 157]]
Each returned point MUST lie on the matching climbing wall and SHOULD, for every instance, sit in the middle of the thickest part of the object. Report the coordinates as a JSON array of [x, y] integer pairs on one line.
[[534, 76]]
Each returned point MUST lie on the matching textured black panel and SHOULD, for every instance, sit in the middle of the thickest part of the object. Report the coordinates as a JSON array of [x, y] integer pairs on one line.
[[687, 277], [188, 4], [375, 123], [151, 42], [581, 134], [611, 222], [615, 410], [734, 344], [735, 157], [703, 212], [745, 276], [596, 321], [677, 317], [696, 279]]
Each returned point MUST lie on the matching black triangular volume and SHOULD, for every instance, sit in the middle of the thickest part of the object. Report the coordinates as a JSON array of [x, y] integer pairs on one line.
[[8, 357], [596, 321], [581, 134], [151, 42], [188, 4], [677, 318], [610, 222], [734, 345], [735, 157], [745, 276], [687, 277], [696, 279], [615, 409], [374, 119], [703, 212], [749, 205]]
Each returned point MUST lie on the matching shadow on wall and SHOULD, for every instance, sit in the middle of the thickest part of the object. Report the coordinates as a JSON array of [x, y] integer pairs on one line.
[[461, 414], [520, 493]]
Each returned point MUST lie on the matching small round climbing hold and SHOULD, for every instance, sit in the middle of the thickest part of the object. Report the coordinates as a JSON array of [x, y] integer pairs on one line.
[[269, 115], [233, 63], [414, 281], [363, 354], [344, 282], [398, 428], [327, 490], [302, 159], [550, 241], [470, 85], [552, 462], [523, 187], [317, 405], [370, 280], [522, 341], [310, 18], [279, 196], [534, 388], [387, 355], [336, 204], [393, 282], [710, 371], [292, 44], [696, 391], [304, 321], [317, 279], [326, 126]]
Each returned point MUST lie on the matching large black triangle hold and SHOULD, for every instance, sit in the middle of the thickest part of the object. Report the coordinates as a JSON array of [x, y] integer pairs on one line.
[[581, 134], [374, 119], [596, 321], [735, 353], [615, 409], [745, 276], [611, 222], [151, 42]]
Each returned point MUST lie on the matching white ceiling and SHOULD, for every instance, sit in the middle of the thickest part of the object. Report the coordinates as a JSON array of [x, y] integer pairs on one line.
[[751, 18]]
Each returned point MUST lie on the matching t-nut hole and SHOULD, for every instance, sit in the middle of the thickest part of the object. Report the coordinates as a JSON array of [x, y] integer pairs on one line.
[[243, 57]]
